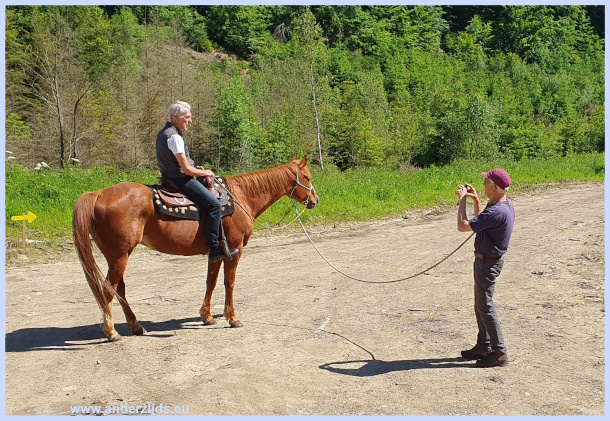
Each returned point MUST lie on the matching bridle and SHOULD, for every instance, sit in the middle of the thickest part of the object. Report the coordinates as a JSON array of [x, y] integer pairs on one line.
[[310, 189]]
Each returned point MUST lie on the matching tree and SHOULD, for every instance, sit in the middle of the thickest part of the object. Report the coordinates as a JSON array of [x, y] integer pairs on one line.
[[359, 85], [480, 128], [472, 45], [154, 77], [239, 132], [308, 44], [280, 131], [64, 67], [18, 27], [241, 29], [403, 134], [549, 36]]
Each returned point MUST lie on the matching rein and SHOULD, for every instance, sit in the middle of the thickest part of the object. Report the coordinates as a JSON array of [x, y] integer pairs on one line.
[[277, 223]]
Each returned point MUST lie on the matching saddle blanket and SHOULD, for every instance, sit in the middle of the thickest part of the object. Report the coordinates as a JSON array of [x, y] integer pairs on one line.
[[177, 205]]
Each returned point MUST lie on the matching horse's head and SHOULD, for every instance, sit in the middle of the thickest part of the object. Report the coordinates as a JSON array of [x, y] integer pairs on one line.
[[303, 190]]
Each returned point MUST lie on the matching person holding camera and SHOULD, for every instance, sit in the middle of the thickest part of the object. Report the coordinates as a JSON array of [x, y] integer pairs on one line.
[[493, 225]]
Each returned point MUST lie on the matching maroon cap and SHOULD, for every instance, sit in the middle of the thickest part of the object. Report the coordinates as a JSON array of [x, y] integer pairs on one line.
[[499, 177]]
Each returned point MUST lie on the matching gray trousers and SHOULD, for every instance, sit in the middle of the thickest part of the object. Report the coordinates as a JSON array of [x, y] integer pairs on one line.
[[490, 333]]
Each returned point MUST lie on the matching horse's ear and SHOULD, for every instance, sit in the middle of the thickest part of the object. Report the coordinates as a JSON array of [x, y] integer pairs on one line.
[[303, 161]]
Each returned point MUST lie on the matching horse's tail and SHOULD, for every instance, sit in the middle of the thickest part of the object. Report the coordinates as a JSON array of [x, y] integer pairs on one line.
[[82, 218]]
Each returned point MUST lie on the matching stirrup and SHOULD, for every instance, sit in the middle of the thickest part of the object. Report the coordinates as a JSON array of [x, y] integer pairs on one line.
[[224, 245], [225, 254]]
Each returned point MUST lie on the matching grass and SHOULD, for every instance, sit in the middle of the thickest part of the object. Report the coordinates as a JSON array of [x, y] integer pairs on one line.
[[356, 195], [50, 195], [375, 193]]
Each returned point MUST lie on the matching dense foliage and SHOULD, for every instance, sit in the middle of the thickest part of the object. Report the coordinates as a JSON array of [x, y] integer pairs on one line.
[[353, 86]]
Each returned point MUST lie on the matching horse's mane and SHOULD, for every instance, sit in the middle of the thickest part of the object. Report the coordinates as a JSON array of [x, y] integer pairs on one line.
[[259, 182]]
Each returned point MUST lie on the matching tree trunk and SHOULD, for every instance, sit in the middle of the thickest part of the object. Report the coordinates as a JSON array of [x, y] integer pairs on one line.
[[60, 118], [62, 137], [74, 146], [218, 160], [315, 108]]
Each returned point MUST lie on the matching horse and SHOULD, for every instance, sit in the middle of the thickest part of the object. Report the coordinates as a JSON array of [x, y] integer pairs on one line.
[[121, 216]]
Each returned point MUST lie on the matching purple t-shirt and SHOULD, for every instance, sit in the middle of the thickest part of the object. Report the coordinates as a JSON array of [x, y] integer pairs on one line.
[[493, 227]]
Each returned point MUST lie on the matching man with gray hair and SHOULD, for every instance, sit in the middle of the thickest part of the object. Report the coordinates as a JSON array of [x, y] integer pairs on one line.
[[493, 226], [177, 166]]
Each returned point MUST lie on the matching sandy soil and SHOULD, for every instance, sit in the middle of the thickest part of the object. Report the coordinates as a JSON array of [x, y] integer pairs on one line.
[[316, 342]]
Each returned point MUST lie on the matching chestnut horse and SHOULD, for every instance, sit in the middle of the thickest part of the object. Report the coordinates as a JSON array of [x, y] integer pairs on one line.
[[121, 216]]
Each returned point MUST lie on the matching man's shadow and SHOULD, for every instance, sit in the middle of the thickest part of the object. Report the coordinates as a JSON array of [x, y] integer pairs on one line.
[[374, 367], [79, 337]]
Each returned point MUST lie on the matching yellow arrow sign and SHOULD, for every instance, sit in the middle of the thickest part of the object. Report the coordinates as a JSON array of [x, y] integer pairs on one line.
[[29, 217]]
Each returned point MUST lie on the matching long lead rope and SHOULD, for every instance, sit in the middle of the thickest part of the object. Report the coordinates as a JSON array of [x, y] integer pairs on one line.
[[377, 282], [298, 217]]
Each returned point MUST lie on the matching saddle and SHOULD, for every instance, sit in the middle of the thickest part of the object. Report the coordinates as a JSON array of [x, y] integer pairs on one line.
[[168, 200]]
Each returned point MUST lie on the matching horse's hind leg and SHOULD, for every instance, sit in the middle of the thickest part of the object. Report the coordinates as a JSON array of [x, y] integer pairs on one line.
[[136, 328], [206, 313], [116, 270], [108, 327]]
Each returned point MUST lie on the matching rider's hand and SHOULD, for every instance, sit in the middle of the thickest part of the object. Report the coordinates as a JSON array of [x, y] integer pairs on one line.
[[204, 173]]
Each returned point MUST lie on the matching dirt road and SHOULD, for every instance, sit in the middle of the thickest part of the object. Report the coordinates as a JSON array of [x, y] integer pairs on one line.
[[315, 342]]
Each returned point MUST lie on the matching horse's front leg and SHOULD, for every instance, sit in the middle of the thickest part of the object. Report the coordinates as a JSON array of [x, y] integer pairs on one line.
[[230, 272], [206, 314]]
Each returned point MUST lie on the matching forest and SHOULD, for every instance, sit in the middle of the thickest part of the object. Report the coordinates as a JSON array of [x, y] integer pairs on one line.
[[392, 87]]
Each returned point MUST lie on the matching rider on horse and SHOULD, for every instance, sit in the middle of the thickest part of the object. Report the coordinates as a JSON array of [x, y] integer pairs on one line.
[[177, 166]]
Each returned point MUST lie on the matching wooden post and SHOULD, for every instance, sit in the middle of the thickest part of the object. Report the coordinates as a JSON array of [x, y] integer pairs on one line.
[[26, 217], [23, 233]]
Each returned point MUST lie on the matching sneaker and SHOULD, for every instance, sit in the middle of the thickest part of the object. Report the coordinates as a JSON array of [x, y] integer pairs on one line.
[[220, 255], [495, 359], [477, 352]]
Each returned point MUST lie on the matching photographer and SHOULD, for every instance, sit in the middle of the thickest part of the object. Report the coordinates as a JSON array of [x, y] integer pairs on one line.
[[493, 226]]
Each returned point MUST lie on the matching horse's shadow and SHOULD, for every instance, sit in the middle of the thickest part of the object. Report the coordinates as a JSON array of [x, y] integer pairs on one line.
[[79, 337], [374, 367]]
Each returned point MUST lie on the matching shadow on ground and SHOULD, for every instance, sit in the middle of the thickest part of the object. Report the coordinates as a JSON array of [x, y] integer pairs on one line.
[[368, 368], [78, 337]]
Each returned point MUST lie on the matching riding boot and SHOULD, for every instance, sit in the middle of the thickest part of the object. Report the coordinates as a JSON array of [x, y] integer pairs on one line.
[[224, 246], [223, 251]]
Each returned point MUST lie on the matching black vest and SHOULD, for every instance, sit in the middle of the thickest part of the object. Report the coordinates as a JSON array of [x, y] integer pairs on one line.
[[167, 162]]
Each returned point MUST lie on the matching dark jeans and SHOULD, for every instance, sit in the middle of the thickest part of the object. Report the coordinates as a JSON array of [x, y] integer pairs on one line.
[[209, 207], [485, 273]]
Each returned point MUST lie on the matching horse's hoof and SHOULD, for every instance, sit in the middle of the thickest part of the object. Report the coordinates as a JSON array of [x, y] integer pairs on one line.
[[209, 322], [236, 323], [139, 331], [114, 337]]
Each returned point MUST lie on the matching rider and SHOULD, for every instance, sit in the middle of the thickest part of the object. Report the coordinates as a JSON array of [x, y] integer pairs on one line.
[[177, 166]]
